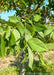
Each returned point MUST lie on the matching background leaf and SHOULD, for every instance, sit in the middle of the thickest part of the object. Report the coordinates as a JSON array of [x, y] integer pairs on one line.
[[2, 47], [16, 34], [30, 57], [36, 17], [12, 40], [14, 19]]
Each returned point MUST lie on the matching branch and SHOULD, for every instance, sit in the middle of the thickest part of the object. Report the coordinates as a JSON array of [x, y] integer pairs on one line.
[[38, 6], [46, 12], [13, 4], [2, 4]]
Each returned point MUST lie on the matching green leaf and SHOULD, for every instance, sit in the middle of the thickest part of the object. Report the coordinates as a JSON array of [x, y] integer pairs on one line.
[[2, 47], [8, 52], [30, 28], [8, 23], [14, 19], [29, 21], [1, 30], [39, 27], [36, 17], [30, 57], [12, 40], [14, 53], [41, 58], [28, 36], [50, 46], [15, 1], [23, 2], [16, 34], [25, 57], [22, 50], [17, 48], [52, 35], [37, 45], [41, 34], [21, 29], [7, 35], [48, 30]]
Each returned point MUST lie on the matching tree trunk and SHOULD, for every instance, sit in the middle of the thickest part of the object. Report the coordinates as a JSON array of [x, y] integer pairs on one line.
[[23, 69], [22, 65]]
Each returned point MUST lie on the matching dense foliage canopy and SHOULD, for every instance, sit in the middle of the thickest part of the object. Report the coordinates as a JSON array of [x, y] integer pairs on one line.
[[27, 31]]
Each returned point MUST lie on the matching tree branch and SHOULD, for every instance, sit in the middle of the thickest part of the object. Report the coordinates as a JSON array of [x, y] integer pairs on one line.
[[46, 12], [13, 4]]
